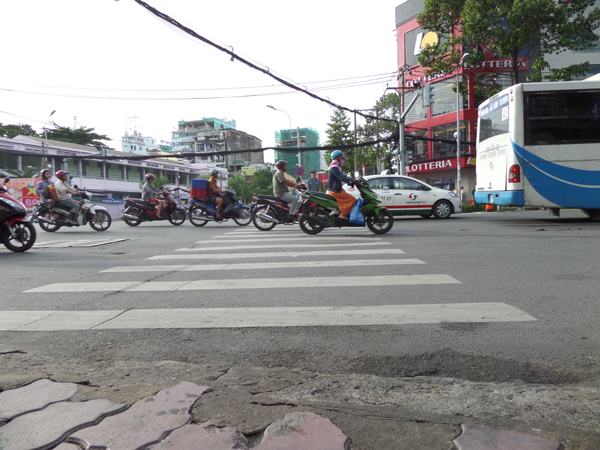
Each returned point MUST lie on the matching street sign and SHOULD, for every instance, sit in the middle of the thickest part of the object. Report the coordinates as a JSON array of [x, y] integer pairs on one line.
[[299, 171]]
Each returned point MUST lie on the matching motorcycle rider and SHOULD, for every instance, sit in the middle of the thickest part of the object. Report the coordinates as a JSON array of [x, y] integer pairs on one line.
[[280, 188], [214, 192], [148, 192], [344, 200], [62, 193], [42, 186]]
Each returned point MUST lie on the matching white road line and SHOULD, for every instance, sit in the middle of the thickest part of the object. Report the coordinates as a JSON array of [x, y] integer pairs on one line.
[[245, 284], [281, 232], [290, 238], [249, 247], [77, 243], [254, 266], [329, 253], [261, 317]]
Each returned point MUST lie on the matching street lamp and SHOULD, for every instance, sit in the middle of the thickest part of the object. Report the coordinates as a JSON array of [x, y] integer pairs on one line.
[[458, 174], [46, 139], [297, 132]]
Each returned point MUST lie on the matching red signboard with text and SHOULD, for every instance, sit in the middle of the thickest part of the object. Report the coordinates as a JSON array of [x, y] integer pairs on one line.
[[440, 164]]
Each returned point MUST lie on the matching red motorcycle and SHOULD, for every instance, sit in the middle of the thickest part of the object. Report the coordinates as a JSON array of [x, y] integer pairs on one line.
[[137, 211], [16, 231], [268, 211]]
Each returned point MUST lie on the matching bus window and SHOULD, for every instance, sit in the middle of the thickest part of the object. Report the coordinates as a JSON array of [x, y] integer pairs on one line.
[[493, 118], [562, 117]]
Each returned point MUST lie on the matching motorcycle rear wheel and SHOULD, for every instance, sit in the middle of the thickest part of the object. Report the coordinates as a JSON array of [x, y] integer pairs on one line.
[[49, 227], [25, 239], [310, 228], [101, 221], [197, 216], [261, 224], [245, 219], [176, 217], [380, 223]]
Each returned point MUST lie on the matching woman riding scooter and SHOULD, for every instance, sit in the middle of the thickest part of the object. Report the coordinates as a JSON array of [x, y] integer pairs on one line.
[[344, 200]]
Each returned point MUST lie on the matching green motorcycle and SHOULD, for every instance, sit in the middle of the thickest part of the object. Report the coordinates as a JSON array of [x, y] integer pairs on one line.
[[320, 211]]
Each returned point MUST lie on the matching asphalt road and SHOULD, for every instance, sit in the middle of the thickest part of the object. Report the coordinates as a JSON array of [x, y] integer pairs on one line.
[[545, 267]]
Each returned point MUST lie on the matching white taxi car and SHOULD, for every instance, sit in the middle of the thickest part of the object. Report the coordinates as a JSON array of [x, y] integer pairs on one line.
[[403, 195]]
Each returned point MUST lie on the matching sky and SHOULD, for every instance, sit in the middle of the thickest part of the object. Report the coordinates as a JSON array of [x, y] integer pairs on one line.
[[112, 66]]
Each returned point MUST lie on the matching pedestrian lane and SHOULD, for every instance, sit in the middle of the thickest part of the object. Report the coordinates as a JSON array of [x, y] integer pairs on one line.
[[251, 250]]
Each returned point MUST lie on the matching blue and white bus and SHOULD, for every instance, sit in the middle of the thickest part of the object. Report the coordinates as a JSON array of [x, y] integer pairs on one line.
[[538, 145]]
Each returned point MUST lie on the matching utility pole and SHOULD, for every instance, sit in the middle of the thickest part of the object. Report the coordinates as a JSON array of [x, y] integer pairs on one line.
[[378, 148], [299, 153]]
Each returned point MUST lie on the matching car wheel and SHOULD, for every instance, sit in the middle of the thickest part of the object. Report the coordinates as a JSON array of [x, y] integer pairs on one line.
[[442, 209]]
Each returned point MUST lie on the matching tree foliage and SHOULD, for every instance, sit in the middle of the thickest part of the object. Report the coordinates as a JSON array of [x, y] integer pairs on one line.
[[81, 135], [242, 188], [339, 133], [524, 30], [10, 131], [263, 182]]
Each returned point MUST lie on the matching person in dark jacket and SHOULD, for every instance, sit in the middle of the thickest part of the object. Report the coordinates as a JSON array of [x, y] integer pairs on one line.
[[344, 200]]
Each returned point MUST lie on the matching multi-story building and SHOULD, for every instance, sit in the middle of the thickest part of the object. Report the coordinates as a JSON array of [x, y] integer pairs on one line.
[[288, 140], [432, 156], [111, 179], [138, 144], [212, 135]]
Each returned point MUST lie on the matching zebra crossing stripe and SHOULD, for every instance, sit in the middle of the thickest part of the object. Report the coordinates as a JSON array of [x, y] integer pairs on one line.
[[261, 317], [245, 284], [288, 239], [257, 266], [292, 245], [328, 253]]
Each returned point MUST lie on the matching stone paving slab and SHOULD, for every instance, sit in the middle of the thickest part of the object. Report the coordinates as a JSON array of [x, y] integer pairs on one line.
[[203, 437], [300, 430], [147, 422], [478, 437], [37, 395], [45, 428]]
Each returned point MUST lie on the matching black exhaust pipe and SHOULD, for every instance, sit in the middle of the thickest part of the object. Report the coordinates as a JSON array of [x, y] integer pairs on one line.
[[315, 220]]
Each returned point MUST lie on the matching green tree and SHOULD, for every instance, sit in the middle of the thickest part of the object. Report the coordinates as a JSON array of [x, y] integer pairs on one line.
[[263, 182], [339, 133], [508, 28], [386, 107], [81, 135], [10, 131], [242, 188], [159, 182]]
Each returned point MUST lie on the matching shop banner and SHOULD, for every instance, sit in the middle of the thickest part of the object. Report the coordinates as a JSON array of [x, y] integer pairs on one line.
[[440, 164], [23, 189]]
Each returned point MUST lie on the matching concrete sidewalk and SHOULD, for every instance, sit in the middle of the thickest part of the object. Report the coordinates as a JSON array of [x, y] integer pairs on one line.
[[269, 409]]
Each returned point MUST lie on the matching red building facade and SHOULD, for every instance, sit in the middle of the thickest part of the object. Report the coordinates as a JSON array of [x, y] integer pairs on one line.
[[431, 157]]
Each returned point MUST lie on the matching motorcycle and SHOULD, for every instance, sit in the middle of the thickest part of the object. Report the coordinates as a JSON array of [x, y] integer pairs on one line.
[[321, 211], [52, 216], [201, 212], [137, 211], [269, 211], [16, 231]]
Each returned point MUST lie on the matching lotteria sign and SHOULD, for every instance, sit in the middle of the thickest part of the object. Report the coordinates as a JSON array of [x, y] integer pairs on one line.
[[441, 164]]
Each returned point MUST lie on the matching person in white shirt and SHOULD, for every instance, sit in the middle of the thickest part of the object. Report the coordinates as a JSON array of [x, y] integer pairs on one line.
[[62, 192]]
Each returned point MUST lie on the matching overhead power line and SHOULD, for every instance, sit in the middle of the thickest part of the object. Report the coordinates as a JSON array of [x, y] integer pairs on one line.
[[169, 20]]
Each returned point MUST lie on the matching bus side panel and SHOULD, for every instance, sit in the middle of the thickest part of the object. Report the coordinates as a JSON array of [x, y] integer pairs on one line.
[[552, 182]]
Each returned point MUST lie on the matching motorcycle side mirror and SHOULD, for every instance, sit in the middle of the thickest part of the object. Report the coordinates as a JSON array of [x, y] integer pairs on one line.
[[75, 186], [7, 179]]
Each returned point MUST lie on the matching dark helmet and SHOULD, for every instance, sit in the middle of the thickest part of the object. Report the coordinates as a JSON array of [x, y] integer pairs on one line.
[[281, 163], [149, 175], [60, 173]]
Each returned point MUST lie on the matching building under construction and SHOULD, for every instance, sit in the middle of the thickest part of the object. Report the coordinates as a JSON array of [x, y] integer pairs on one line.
[[288, 140], [214, 135]]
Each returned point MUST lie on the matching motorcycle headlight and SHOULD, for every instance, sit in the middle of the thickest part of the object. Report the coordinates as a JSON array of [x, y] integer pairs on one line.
[[377, 197], [14, 204]]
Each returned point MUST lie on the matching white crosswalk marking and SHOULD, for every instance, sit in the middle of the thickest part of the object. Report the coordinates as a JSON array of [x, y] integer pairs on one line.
[[76, 243], [260, 317], [340, 249], [258, 266], [244, 284], [329, 253], [254, 247]]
